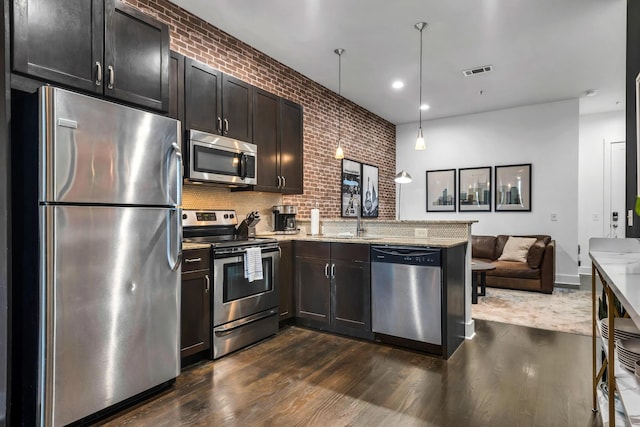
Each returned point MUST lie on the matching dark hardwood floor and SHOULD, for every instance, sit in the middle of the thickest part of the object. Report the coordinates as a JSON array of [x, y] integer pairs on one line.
[[506, 376]]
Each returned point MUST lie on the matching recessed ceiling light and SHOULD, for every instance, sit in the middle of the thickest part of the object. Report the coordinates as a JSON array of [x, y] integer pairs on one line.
[[424, 107], [397, 84], [591, 92]]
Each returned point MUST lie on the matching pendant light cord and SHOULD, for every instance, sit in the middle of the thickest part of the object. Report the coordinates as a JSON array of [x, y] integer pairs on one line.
[[420, 105], [339, 95]]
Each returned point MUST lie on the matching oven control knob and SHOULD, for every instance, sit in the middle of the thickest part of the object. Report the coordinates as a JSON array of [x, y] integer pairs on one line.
[[232, 216], [226, 216], [184, 216]]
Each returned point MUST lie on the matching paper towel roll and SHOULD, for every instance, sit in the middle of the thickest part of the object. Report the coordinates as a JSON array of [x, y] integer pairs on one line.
[[315, 221]]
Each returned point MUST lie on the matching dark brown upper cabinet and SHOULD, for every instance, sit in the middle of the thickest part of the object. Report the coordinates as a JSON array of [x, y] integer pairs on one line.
[[266, 135], [291, 154], [100, 46], [176, 86], [277, 131], [217, 103]]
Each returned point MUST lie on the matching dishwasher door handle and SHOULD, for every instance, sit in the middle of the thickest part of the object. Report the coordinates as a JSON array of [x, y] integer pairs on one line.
[[395, 252]]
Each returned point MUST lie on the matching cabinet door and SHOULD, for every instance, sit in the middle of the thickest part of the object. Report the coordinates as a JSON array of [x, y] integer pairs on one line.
[[202, 104], [351, 297], [195, 324], [291, 147], [176, 86], [237, 109], [136, 57], [312, 291], [286, 280], [265, 136], [59, 41]]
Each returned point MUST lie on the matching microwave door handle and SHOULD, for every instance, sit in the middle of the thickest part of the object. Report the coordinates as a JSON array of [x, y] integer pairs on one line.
[[243, 165]]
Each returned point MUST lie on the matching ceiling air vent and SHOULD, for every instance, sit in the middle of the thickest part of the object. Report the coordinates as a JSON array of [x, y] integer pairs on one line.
[[478, 70]]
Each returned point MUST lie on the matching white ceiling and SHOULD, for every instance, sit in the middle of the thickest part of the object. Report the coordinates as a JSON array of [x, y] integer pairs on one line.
[[541, 50]]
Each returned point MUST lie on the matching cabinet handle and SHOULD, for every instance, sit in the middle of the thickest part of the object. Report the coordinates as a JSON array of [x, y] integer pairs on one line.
[[112, 76], [99, 73], [326, 270], [333, 271], [208, 283], [284, 182], [279, 182], [219, 128], [226, 126], [188, 260]]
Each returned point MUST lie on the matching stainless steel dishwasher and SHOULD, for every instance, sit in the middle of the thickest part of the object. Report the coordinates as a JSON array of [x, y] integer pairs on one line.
[[406, 292]]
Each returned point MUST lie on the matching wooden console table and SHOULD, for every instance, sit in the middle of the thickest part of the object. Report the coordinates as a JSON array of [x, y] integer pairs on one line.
[[617, 263]]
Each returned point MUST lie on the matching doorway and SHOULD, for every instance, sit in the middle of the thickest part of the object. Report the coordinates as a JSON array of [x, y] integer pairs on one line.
[[614, 208]]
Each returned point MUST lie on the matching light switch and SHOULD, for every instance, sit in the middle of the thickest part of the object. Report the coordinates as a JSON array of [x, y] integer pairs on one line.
[[554, 217]]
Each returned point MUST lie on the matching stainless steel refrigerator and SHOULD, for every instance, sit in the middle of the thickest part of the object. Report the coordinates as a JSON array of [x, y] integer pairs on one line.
[[109, 242]]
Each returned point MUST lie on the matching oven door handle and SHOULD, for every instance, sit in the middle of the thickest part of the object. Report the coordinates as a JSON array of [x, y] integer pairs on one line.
[[230, 327]]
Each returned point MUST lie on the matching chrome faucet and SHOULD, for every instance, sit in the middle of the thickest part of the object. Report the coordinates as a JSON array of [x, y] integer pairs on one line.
[[359, 227]]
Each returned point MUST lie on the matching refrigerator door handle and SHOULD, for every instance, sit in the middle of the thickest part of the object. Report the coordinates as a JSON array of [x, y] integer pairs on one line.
[[174, 244], [174, 151]]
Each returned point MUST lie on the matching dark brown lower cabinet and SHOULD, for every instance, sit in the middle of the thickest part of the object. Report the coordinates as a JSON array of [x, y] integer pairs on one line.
[[333, 287], [285, 274], [195, 317]]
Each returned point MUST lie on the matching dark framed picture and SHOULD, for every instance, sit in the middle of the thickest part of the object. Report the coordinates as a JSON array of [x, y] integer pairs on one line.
[[369, 191], [513, 188], [351, 188], [474, 189], [441, 190]]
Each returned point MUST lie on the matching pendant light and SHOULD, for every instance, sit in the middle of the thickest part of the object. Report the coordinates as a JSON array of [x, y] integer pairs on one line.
[[420, 140], [339, 151]]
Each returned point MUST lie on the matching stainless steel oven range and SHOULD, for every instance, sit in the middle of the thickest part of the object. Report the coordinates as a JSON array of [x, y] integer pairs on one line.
[[244, 312]]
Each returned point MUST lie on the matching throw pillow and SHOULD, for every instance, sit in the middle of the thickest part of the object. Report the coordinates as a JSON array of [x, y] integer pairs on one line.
[[536, 252], [517, 249]]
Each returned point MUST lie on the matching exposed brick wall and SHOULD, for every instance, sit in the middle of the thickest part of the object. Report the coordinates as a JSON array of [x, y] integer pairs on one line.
[[367, 138]]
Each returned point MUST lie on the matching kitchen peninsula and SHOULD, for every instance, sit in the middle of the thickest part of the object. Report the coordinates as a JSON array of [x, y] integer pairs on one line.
[[330, 281]]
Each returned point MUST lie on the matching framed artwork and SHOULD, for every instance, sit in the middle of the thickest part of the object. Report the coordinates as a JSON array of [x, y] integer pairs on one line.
[[369, 191], [474, 189], [441, 190], [351, 188], [513, 188]]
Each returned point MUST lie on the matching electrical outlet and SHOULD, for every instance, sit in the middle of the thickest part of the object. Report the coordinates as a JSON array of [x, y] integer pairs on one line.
[[421, 232], [554, 217]]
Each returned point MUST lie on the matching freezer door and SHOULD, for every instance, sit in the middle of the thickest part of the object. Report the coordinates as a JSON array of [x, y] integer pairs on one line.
[[94, 151], [111, 298]]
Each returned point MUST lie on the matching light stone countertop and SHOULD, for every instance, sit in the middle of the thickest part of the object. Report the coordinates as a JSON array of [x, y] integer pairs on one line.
[[186, 246], [373, 240]]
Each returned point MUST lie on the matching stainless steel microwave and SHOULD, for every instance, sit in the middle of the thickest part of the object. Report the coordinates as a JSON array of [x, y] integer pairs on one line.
[[220, 160]]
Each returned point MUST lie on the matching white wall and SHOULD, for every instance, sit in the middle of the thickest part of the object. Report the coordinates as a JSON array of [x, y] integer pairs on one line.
[[545, 135], [597, 131]]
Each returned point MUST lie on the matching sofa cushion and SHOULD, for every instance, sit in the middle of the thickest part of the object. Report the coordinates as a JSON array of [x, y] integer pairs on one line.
[[517, 249], [536, 252], [517, 270], [483, 247]]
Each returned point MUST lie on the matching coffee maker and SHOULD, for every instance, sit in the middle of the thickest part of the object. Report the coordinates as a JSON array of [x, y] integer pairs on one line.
[[284, 219]]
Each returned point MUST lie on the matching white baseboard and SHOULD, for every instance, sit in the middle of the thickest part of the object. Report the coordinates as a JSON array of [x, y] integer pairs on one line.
[[568, 279], [470, 329]]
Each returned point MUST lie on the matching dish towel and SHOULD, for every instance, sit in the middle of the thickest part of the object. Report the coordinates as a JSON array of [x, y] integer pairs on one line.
[[253, 264]]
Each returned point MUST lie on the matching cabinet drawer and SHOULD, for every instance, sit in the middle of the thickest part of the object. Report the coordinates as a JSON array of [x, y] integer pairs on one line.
[[350, 251], [195, 259], [312, 249]]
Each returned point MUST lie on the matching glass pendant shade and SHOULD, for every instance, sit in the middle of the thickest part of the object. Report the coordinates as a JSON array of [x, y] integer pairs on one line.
[[420, 145], [339, 153]]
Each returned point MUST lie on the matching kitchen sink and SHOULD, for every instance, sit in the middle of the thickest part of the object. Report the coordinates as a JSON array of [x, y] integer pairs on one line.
[[351, 237]]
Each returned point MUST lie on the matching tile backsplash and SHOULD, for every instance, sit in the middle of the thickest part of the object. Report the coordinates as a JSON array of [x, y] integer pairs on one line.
[[209, 197]]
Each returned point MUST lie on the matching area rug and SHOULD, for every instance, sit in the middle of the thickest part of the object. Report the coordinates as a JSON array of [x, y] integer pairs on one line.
[[566, 310]]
